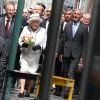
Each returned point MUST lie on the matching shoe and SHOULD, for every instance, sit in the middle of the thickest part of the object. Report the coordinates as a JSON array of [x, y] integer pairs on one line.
[[21, 95], [27, 94], [65, 96], [52, 90], [76, 92], [57, 94]]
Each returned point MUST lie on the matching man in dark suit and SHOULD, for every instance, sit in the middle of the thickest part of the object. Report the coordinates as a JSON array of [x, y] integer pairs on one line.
[[73, 44], [58, 64], [6, 31]]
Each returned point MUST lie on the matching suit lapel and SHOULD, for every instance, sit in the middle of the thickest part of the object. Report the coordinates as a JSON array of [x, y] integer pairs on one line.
[[12, 24], [70, 29], [11, 27]]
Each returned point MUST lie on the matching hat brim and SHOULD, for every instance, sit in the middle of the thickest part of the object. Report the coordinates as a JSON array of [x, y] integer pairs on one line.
[[31, 19]]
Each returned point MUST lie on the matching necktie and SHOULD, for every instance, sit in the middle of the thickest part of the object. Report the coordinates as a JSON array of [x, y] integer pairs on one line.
[[7, 25]]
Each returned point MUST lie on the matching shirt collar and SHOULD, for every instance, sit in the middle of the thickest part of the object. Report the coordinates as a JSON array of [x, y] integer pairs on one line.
[[34, 31], [7, 18], [76, 23]]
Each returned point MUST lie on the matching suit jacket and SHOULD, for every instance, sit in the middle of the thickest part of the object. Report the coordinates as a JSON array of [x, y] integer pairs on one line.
[[5, 44], [61, 38], [74, 46], [1, 44], [43, 24]]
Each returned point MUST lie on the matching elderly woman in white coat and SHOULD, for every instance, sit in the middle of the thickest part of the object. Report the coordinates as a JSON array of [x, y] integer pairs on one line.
[[32, 41]]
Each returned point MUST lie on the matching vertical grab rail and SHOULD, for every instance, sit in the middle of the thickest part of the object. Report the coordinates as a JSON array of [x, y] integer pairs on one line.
[[48, 64], [93, 34]]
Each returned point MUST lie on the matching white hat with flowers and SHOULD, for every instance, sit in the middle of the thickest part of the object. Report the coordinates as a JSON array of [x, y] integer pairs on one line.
[[34, 16]]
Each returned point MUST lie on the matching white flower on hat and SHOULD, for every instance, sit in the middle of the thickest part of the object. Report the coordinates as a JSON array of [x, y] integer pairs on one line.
[[35, 16]]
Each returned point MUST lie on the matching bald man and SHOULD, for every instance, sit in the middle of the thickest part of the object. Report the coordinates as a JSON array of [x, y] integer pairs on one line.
[[87, 19]]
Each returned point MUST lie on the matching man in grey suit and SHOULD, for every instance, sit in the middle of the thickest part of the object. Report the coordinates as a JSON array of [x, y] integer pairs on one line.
[[73, 44], [6, 31], [74, 41], [6, 34]]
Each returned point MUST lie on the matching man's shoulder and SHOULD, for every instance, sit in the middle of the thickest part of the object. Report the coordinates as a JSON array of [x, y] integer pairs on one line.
[[69, 24], [83, 25]]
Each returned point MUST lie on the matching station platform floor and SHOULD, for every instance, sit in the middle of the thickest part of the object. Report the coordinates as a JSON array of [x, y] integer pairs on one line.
[[14, 96]]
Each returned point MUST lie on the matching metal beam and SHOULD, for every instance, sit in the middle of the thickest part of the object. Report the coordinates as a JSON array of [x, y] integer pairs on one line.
[[87, 87], [48, 64]]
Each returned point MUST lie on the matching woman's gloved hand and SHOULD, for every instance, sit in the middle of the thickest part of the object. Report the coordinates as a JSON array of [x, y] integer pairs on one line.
[[24, 45], [37, 47]]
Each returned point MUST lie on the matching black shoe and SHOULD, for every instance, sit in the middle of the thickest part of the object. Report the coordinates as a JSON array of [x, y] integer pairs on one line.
[[76, 92], [57, 94], [52, 90], [21, 95], [65, 95], [27, 94]]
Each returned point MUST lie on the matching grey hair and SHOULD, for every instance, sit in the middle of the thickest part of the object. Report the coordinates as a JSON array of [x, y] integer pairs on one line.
[[8, 3]]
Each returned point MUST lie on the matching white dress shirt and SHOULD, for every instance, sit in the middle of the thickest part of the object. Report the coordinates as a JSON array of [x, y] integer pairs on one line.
[[64, 24], [74, 28]]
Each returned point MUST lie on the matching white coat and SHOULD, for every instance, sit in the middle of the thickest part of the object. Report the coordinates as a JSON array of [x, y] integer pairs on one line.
[[29, 61]]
